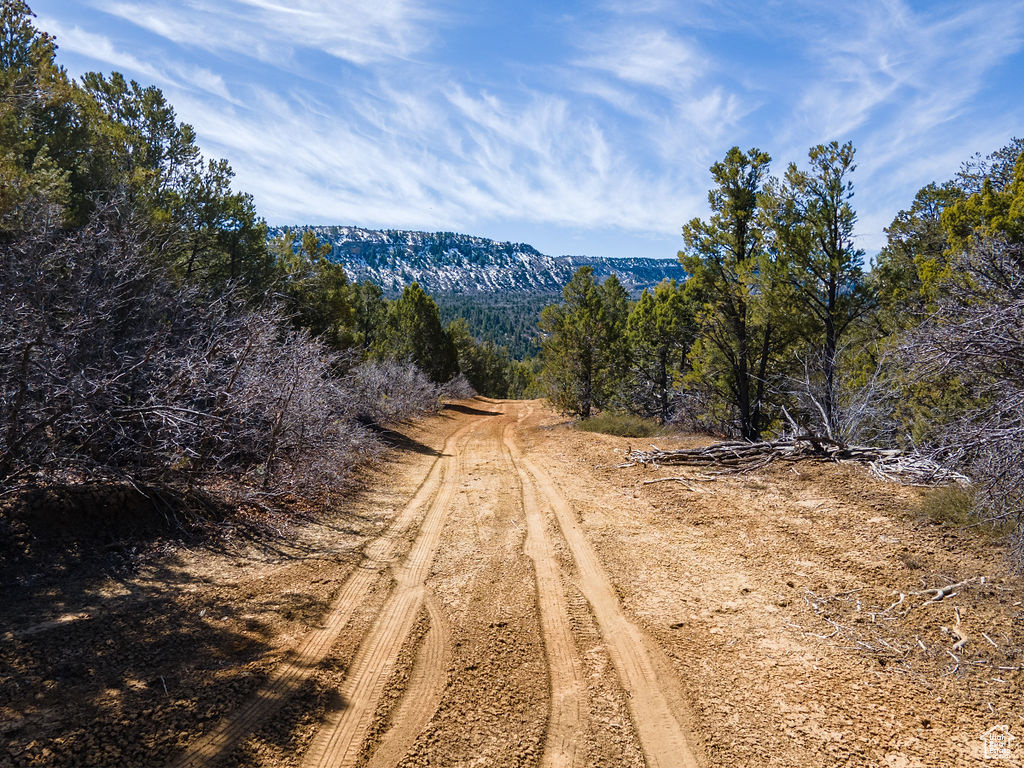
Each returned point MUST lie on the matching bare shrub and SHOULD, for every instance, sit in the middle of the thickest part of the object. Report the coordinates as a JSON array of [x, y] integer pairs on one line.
[[457, 388], [388, 392], [109, 369], [698, 409], [283, 414], [862, 402], [977, 339]]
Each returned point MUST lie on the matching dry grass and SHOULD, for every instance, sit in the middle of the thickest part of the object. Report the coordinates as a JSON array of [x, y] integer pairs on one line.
[[955, 506], [622, 425]]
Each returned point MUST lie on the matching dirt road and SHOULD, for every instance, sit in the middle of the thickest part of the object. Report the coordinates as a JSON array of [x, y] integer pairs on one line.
[[505, 596], [521, 695]]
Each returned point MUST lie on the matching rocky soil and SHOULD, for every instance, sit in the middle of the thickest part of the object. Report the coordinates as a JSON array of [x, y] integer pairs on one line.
[[503, 594]]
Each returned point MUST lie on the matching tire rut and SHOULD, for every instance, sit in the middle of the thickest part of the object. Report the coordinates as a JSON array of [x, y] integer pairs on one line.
[[661, 735], [292, 673], [568, 718], [339, 742], [423, 694]]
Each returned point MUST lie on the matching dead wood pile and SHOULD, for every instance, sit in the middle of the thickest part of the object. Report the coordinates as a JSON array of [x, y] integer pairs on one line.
[[740, 456]]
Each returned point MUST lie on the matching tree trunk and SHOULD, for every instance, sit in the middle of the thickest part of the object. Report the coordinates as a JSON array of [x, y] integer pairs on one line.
[[588, 396], [829, 365], [663, 386], [748, 426]]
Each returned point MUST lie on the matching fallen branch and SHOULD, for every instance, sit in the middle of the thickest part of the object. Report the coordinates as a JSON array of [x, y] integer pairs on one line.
[[941, 593], [956, 665], [738, 456], [961, 638]]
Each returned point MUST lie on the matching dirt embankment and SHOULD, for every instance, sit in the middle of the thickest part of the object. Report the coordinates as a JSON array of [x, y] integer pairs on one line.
[[502, 595]]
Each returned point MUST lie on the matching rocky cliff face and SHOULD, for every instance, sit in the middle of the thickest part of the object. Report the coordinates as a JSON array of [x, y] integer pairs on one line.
[[446, 262]]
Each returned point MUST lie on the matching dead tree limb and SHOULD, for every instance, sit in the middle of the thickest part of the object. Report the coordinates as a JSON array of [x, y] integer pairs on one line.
[[737, 456]]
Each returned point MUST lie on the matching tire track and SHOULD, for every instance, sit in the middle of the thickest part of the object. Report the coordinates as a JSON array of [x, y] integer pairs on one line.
[[339, 741], [664, 742], [568, 719], [290, 675], [423, 695]]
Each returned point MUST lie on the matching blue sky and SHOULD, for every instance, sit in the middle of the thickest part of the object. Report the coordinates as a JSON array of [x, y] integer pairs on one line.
[[581, 128]]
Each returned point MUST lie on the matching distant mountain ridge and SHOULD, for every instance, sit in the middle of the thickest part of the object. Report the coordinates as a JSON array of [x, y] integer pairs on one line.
[[448, 262]]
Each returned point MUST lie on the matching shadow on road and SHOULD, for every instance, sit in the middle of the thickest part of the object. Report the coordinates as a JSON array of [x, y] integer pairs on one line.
[[468, 410], [394, 439]]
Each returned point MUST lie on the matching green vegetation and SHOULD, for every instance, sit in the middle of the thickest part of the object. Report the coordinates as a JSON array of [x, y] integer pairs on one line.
[[956, 506], [951, 505], [731, 288], [486, 365], [150, 332], [780, 329], [508, 320], [413, 332], [659, 333], [584, 344]]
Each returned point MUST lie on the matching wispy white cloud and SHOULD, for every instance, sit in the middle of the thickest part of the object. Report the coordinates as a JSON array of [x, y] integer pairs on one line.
[[352, 30], [101, 49], [885, 55], [98, 48], [358, 112], [484, 159], [900, 82], [646, 56]]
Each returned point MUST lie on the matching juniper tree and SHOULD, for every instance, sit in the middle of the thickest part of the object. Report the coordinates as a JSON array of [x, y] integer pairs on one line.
[[413, 332], [582, 345], [811, 222]]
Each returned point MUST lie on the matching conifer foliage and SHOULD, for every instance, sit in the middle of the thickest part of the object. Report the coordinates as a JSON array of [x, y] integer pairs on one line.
[[781, 327], [583, 343]]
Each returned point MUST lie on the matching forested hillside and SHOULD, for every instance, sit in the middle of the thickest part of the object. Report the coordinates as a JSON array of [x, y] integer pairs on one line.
[[507, 319], [499, 288]]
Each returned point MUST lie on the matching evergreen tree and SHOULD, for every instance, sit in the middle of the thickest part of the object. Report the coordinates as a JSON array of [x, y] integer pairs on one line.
[[996, 210], [812, 222], [371, 311], [659, 332], [211, 234], [914, 261], [315, 290], [42, 138], [582, 344], [615, 346], [524, 379], [484, 364], [414, 332], [725, 257]]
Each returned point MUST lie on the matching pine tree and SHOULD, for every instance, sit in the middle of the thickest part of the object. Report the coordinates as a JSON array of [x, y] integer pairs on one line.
[[41, 130], [726, 257], [484, 364], [582, 347], [414, 332], [659, 332], [812, 223], [615, 352], [315, 290], [371, 311]]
